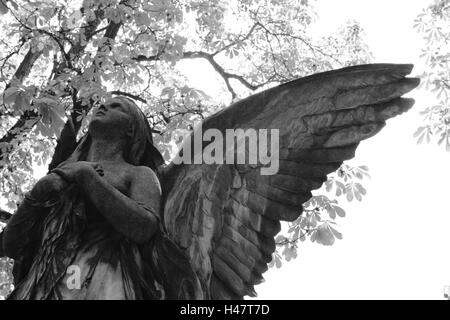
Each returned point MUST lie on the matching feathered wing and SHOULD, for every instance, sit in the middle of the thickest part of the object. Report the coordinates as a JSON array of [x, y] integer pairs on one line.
[[225, 216]]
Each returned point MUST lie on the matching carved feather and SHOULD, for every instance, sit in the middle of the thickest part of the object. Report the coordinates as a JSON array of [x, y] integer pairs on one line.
[[225, 216]]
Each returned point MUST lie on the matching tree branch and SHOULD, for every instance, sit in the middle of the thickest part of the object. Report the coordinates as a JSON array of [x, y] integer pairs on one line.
[[129, 95], [66, 142], [226, 76], [309, 45], [24, 69], [9, 56], [21, 73], [249, 33], [25, 66], [221, 71], [86, 32], [26, 121]]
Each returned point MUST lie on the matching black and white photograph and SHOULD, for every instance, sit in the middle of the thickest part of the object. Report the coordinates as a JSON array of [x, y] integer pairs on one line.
[[254, 150]]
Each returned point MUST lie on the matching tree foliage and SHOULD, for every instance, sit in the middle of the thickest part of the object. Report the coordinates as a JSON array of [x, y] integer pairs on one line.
[[433, 23], [58, 59], [318, 219]]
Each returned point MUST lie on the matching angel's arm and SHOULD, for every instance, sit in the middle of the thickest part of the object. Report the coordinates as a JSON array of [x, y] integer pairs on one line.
[[135, 216]]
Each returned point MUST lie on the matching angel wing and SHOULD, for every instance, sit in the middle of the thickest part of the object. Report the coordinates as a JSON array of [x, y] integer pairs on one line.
[[225, 216]]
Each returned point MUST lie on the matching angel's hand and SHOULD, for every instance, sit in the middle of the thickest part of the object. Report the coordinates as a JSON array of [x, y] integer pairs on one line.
[[48, 187], [74, 171]]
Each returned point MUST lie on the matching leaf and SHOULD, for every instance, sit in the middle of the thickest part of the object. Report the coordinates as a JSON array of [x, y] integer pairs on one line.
[[10, 95], [14, 5], [3, 8], [325, 234], [43, 129], [357, 195], [289, 252], [349, 193], [340, 212], [340, 188], [296, 234], [360, 188], [17, 99], [22, 101], [364, 170], [280, 239], [420, 140], [358, 175], [328, 185], [331, 212], [312, 221], [276, 261], [168, 92], [336, 233], [53, 116], [142, 18]]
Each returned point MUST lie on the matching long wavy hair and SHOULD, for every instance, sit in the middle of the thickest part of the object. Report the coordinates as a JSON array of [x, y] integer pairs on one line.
[[139, 151]]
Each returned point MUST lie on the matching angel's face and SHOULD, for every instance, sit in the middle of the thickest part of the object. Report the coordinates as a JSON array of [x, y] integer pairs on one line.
[[112, 117]]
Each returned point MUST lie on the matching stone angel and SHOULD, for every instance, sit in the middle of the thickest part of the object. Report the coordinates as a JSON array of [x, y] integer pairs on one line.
[[130, 226]]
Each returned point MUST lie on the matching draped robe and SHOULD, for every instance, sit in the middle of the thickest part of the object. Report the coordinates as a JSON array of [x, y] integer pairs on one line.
[[68, 238]]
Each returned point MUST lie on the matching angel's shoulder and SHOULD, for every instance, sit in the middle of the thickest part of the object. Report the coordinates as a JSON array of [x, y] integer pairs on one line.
[[143, 175]]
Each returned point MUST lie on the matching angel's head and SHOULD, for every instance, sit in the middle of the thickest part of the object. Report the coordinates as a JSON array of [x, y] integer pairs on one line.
[[114, 119], [119, 119]]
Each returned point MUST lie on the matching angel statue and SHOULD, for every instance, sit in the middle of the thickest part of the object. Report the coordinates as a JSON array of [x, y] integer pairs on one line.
[[113, 221]]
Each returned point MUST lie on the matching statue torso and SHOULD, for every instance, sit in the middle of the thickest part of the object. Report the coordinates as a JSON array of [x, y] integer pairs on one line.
[[103, 264]]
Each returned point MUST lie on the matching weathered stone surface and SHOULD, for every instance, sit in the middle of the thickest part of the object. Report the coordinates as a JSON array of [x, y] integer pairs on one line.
[[321, 120], [222, 217]]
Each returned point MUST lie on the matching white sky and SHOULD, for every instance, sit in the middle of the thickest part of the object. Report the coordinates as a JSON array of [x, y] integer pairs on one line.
[[396, 240]]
